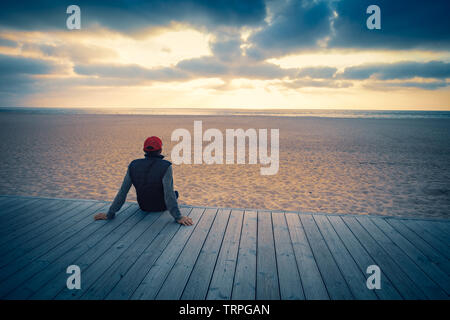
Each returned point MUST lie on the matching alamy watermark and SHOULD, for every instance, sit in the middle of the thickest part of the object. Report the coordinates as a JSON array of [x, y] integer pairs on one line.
[[74, 280], [374, 280], [74, 20], [213, 153], [374, 20]]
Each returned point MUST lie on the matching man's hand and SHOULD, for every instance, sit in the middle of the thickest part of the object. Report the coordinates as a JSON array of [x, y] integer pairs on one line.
[[100, 216], [186, 221]]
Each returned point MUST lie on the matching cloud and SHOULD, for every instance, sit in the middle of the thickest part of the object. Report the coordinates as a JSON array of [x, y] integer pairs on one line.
[[433, 85], [399, 70], [7, 43], [17, 77], [125, 15], [300, 25], [422, 85], [10, 65], [281, 27], [317, 72], [308, 83], [131, 72], [405, 24], [227, 47], [204, 66], [294, 25], [74, 52]]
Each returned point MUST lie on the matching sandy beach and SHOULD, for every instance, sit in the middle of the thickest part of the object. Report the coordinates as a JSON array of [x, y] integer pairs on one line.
[[396, 167]]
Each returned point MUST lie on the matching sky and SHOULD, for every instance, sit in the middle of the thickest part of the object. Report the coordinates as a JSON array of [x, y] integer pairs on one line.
[[299, 54]]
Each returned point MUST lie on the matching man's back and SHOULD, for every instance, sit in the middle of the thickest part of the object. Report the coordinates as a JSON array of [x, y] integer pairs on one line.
[[147, 177]]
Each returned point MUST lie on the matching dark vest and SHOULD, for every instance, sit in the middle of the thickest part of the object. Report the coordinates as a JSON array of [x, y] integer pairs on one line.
[[146, 176]]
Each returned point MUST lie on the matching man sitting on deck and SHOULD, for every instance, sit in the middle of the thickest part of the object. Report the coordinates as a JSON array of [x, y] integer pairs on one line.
[[152, 178]]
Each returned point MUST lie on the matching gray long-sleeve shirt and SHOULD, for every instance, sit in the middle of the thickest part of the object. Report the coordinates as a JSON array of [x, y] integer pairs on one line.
[[169, 195]]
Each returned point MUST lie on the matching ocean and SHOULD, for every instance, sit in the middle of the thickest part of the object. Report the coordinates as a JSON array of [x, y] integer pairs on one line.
[[335, 113]]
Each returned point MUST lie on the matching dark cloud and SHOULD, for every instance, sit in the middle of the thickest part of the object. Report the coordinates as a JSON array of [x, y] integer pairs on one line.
[[204, 66], [131, 15], [75, 52], [294, 25], [422, 85], [7, 43], [227, 47], [404, 24], [399, 70], [11, 65], [131, 72], [395, 85], [263, 71], [307, 24], [290, 25], [17, 77], [241, 67], [208, 67], [317, 72]]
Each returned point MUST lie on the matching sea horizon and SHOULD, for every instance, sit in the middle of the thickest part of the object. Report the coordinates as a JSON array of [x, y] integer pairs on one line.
[[319, 113]]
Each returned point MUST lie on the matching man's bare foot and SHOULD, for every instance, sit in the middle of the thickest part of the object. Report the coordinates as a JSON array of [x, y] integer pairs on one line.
[[186, 221], [100, 216]]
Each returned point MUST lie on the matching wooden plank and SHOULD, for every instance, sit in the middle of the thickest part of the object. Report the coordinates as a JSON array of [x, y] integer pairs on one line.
[[33, 237], [418, 277], [26, 215], [334, 281], [130, 280], [48, 241], [433, 281], [222, 280], [363, 258], [431, 253], [443, 225], [109, 278], [244, 286], [218, 259], [9, 209], [149, 287], [37, 215], [4, 199], [43, 263], [353, 275], [438, 230], [198, 283], [404, 285], [24, 209], [92, 270], [50, 282], [313, 285], [267, 287], [291, 287], [173, 286], [30, 230], [6, 202], [428, 236]]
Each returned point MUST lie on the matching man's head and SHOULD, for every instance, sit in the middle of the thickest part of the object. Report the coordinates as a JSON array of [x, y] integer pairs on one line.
[[152, 145]]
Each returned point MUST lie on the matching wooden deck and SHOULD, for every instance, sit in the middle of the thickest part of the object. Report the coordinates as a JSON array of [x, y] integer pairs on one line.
[[227, 254]]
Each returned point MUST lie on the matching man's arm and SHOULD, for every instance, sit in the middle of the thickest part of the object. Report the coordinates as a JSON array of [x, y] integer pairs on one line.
[[119, 200], [121, 196], [171, 199]]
